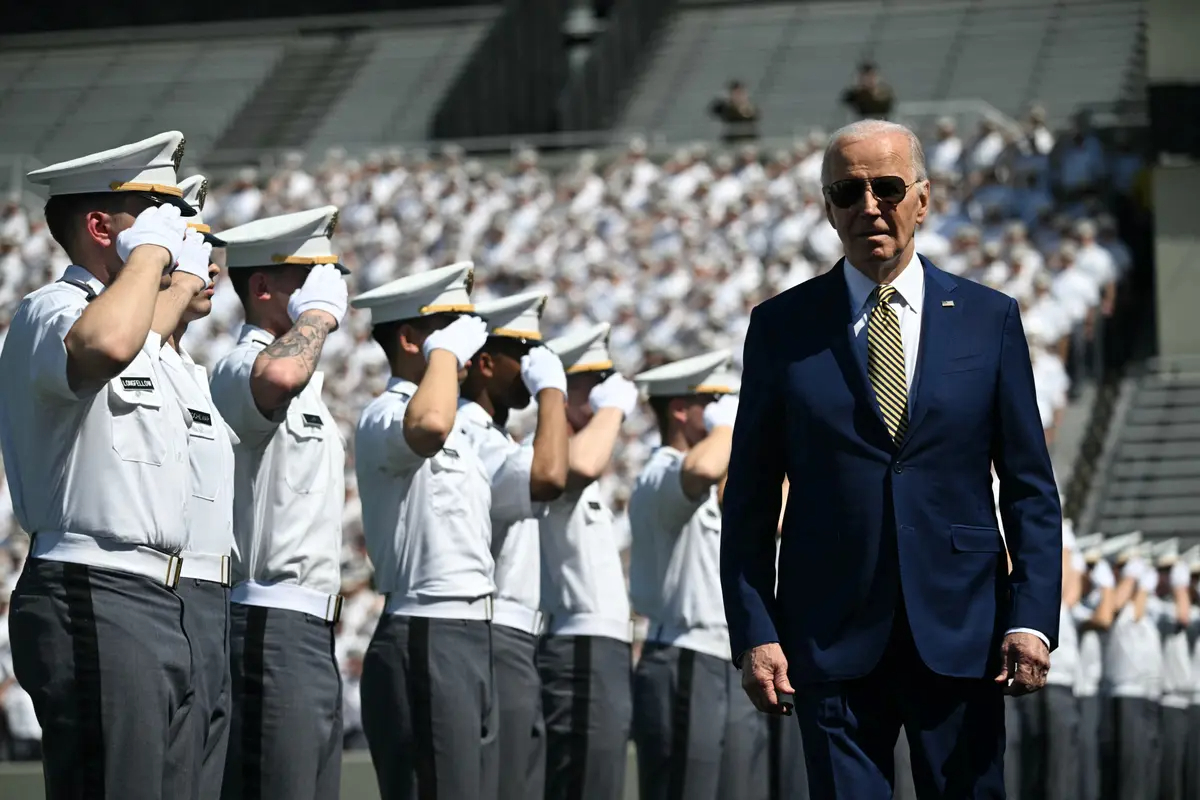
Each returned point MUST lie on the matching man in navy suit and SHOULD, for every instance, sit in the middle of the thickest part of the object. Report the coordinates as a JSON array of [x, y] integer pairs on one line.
[[886, 390]]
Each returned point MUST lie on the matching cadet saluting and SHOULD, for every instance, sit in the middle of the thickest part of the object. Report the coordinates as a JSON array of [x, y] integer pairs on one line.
[[697, 734], [95, 445], [429, 709], [286, 735], [584, 659], [509, 369], [204, 578]]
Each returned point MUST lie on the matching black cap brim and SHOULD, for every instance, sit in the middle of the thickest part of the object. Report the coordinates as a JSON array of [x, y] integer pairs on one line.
[[215, 241], [185, 209]]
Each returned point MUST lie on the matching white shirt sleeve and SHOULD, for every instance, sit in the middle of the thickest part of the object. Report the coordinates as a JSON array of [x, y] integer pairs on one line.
[[511, 500], [231, 394], [52, 316], [673, 505]]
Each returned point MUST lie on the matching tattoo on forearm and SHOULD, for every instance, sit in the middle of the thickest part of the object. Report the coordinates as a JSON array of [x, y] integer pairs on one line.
[[303, 341]]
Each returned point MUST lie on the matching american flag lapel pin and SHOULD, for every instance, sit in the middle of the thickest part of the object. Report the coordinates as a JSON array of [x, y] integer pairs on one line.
[[947, 304]]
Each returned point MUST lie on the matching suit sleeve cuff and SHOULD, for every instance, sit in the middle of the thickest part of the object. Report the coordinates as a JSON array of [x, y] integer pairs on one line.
[[1038, 634]]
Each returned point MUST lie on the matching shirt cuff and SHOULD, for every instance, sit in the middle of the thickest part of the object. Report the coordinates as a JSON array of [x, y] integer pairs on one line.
[[1038, 634]]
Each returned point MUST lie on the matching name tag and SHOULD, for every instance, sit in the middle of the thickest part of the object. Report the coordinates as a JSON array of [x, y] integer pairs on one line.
[[200, 417], [138, 384], [313, 420]]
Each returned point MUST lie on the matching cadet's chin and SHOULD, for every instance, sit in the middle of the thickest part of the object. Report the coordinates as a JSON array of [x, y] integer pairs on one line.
[[520, 399], [201, 306]]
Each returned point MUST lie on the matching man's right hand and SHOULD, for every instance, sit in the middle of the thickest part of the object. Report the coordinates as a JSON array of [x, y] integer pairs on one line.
[[764, 678], [462, 338], [324, 290], [194, 258], [157, 225]]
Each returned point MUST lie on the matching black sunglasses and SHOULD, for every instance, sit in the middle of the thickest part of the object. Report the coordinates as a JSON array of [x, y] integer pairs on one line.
[[887, 189]]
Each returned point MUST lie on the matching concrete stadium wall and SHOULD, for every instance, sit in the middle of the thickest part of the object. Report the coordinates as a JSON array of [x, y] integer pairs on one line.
[[1176, 259]]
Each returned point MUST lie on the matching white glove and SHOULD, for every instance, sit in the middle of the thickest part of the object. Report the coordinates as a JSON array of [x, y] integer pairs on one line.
[[1148, 582], [1181, 576], [542, 369], [194, 256], [1102, 575], [463, 338], [324, 290], [722, 412], [160, 225], [615, 392], [1134, 568]]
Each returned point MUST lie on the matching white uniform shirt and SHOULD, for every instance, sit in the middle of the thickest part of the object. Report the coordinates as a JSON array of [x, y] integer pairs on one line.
[[289, 478], [581, 565], [1176, 656], [111, 463], [1133, 655], [1194, 631], [1064, 666], [426, 520], [676, 554], [210, 455], [515, 545], [1091, 649]]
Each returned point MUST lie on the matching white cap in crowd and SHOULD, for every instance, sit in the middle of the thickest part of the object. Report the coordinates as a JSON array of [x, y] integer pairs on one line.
[[438, 291], [299, 238], [710, 373]]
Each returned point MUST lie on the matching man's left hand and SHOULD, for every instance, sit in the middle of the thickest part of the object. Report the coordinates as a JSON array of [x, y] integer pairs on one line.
[[1025, 660]]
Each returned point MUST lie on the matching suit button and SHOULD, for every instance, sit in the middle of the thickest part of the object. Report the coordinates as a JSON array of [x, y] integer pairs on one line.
[[897, 468]]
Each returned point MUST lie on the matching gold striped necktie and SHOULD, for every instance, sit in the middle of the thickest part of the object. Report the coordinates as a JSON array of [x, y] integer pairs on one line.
[[885, 363]]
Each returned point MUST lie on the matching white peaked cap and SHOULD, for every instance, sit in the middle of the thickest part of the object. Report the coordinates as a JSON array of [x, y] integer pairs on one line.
[[1089, 546], [515, 317], [148, 167], [1191, 557], [1166, 552], [704, 374], [299, 238], [438, 291], [585, 350], [195, 192]]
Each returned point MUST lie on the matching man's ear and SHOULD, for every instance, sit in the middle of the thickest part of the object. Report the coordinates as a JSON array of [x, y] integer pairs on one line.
[[677, 409], [483, 363], [923, 191], [409, 340], [829, 214], [260, 286], [98, 227]]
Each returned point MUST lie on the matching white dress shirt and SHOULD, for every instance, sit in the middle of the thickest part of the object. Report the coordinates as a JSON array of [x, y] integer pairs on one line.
[[289, 478], [674, 575], [426, 520], [210, 456], [109, 463], [514, 515], [583, 585], [908, 301]]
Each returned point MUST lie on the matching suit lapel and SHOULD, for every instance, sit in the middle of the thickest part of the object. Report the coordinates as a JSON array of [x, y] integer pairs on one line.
[[854, 371], [939, 322]]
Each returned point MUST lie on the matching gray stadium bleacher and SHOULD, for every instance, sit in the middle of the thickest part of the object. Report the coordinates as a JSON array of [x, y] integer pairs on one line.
[[795, 58], [394, 93], [126, 93], [1153, 466]]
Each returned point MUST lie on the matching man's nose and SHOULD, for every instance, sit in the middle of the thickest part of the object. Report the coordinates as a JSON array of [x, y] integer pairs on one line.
[[870, 205]]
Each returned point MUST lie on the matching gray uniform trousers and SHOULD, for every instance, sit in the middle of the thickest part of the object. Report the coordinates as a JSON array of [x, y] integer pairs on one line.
[[1192, 765], [206, 620], [1090, 712], [588, 705], [522, 729], [1049, 744], [787, 777], [1130, 749], [904, 788], [285, 736], [1174, 738], [428, 708], [106, 660], [698, 736]]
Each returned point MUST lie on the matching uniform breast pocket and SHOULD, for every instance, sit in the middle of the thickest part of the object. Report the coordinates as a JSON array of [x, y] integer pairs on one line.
[[137, 420], [204, 457], [304, 458], [449, 474]]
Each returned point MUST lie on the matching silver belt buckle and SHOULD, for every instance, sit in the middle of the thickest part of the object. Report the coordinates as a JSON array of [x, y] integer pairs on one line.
[[487, 607], [225, 571], [333, 609], [174, 568]]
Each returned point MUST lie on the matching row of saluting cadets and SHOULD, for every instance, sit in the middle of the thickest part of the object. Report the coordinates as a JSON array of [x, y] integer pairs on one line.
[[174, 622]]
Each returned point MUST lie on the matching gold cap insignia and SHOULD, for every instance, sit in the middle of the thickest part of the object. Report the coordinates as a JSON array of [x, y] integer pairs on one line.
[[470, 280], [177, 156], [202, 195], [332, 226]]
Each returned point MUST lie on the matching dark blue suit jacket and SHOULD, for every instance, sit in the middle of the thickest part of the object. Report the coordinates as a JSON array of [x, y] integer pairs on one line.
[[866, 521]]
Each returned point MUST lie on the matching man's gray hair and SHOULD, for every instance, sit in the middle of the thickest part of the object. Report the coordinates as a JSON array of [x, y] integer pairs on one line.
[[865, 129]]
